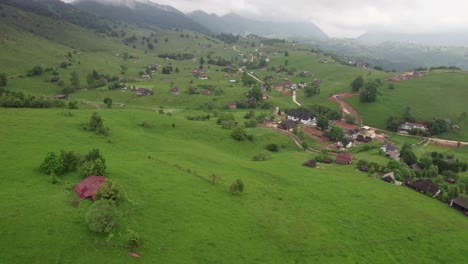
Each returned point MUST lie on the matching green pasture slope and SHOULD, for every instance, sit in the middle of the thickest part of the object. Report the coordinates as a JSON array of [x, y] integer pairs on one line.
[[287, 214], [438, 95]]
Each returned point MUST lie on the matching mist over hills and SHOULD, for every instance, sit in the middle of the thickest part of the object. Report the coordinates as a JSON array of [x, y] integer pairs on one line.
[[236, 24], [434, 39]]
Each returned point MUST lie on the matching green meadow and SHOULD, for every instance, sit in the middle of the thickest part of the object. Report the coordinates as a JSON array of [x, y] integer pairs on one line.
[[438, 95], [288, 213]]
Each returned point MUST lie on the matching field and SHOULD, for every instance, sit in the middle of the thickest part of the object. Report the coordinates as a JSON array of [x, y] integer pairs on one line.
[[427, 97], [288, 213]]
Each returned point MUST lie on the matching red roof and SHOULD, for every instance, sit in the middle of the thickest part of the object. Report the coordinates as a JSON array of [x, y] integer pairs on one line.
[[87, 187], [344, 157]]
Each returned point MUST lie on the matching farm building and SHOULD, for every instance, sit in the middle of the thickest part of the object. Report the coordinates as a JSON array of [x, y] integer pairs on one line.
[[288, 125], [232, 105], [89, 186], [425, 186], [302, 117], [310, 163], [60, 96], [390, 178], [460, 203], [344, 158]]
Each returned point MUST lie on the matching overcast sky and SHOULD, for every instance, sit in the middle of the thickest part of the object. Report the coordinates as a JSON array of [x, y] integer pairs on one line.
[[344, 18]]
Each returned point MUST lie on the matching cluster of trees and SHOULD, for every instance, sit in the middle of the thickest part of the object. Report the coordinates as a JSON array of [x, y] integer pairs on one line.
[[247, 80], [21, 100], [3, 79], [368, 89], [437, 68], [95, 79], [35, 71], [435, 127], [227, 38], [92, 163], [176, 56], [218, 61], [312, 90]]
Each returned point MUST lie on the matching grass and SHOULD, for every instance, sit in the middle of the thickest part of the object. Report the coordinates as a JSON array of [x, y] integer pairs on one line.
[[288, 212], [427, 97]]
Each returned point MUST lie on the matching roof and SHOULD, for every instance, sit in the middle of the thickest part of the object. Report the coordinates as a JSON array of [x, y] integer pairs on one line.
[[344, 157], [310, 163], [288, 124], [389, 146], [461, 201], [303, 115], [88, 187], [426, 186]]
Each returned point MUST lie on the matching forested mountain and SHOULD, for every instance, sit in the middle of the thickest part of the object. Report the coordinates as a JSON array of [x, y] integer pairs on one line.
[[235, 24], [146, 14], [433, 39]]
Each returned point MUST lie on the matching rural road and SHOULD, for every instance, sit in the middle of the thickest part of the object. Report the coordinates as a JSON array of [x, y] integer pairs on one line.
[[242, 69], [294, 98]]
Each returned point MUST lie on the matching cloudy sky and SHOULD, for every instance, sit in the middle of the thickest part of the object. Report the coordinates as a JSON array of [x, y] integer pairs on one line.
[[344, 18]]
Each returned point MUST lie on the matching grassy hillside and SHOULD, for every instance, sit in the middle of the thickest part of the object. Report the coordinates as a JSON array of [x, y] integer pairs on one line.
[[288, 213], [439, 95]]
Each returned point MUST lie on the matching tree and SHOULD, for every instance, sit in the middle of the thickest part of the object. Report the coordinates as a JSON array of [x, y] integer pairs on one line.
[[52, 164], [369, 94], [407, 115], [350, 119], [408, 156], [256, 93], [237, 187], [75, 80], [272, 147], [101, 217], [322, 122], [357, 83], [70, 160], [108, 102], [336, 133], [392, 124], [238, 133], [96, 124], [3, 80], [425, 162], [439, 126]]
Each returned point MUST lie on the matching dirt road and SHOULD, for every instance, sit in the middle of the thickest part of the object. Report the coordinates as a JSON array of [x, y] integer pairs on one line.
[[346, 109]]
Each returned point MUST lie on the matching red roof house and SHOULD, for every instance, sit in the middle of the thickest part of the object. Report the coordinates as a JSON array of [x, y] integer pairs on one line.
[[88, 187], [344, 158]]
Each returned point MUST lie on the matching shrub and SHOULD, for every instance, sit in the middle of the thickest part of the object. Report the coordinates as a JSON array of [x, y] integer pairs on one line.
[[228, 124], [108, 191], [95, 167], [272, 147], [70, 160], [133, 239], [52, 164], [262, 156], [96, 124], [237, 187], [101, 217]]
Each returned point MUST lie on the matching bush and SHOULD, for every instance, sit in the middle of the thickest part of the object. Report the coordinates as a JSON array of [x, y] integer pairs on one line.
[[101, 217], [96, 124], [70, 160], [108, 191], [95, 167], [262, 156], [272, 147], [237, 187], [52, 164]]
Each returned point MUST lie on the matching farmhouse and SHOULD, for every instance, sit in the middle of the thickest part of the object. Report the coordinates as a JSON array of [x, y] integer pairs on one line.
[[203, 77], [362, 65], [232, 105], [407, 126], [310, 163], [391, 151], [460, 203], [344, 158], [206, 91], [302, 84], [302, 117], [175, 90], [425, 186], [60, 96], [288, 125], [143, 91], [390, 178], [146, 76], [89, 186], [232, 81], [279, 87]]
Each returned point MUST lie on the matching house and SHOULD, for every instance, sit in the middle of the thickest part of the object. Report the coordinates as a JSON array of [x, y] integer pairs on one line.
[[391, 151], [89, 186], [316, 81], [55, 79], [232, 105], [175, 90], [310, 163], [279, 87], [344, 158], [232, 81], [294, 86], [203, 77], [407, 126], [360, 138], [263, 89], [60, 96], [390, 178], [143, 91], [287, 93], [146, 76], [206, 91], [425, 186], [367, 139], [450, 180], [288, 125], [302, 117], [460, 203], [306, 74], [327, 160], [302, 85], [364, 168], [361, 64], [288, 84]]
